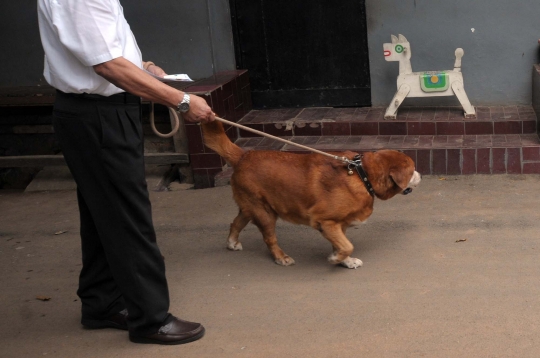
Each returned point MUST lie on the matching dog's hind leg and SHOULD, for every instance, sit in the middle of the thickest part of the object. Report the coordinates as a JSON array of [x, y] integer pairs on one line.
[[238, 224], [266, 222], [343, 248]]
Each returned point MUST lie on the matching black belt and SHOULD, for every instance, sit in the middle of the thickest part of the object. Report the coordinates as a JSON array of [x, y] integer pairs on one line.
[[123, 97]]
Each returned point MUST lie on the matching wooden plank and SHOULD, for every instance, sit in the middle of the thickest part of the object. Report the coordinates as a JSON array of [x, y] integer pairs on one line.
[[27, 95], [44, 95], [24, 91], [35, 129], [27, 101], [31, 161], [56, 160], [165, 158]]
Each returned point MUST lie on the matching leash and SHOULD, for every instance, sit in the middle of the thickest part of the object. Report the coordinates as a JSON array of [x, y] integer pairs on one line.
[[356, 163], [174, 115], [343, 159]]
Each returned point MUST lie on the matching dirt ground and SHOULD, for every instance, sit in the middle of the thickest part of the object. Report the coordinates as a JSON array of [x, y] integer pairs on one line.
[[451, 270]]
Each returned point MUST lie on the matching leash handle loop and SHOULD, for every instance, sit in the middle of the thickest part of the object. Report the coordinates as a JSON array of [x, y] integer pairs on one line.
[[173, 115]]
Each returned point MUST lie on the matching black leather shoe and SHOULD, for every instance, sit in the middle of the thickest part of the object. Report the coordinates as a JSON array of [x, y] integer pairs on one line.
[[175, 332], [118, 321]]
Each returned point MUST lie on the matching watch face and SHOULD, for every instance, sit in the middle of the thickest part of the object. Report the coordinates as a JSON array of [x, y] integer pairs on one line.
[[184, 107]]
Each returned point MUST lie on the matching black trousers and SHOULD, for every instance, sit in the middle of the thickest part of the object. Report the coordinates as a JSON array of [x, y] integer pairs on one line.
[[102, 141]]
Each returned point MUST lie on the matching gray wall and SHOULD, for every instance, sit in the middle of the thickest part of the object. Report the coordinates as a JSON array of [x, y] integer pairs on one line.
[[21, 54], [499, 54], [177, 34], [497, 65], [174, 34]]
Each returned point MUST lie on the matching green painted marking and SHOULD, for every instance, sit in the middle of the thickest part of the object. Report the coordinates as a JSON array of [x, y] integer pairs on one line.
[[434, 81], [399, 48]]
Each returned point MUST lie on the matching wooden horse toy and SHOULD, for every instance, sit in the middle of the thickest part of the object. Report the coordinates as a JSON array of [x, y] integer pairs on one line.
[[424, 84]]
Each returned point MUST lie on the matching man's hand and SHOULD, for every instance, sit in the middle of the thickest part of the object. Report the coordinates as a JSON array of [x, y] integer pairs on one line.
[[124, 74], [199, 111], [152, 68]]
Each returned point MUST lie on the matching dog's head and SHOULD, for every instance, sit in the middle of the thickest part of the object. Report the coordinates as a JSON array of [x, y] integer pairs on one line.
[[391, 172]]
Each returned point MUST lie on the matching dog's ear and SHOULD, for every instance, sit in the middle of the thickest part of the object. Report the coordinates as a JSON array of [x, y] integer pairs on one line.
[[401, 177], [394, 39]]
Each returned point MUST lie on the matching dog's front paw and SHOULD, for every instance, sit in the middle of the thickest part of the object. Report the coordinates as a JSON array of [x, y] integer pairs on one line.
[[285, 261], [234, 246], [351, 262]]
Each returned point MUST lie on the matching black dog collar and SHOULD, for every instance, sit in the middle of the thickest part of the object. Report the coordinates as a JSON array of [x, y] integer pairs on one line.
[[357, 164]]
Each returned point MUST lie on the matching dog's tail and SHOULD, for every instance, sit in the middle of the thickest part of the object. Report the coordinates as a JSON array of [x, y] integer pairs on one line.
[[216, 139]]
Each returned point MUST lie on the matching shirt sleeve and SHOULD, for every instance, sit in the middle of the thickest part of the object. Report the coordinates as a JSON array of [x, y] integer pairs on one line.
[[89, 29]]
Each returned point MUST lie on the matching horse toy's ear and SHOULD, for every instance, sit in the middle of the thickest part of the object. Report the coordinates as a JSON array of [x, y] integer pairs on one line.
[[402, 38], [394, 39]]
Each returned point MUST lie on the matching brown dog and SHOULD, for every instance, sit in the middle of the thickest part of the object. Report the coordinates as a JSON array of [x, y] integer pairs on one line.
[[307, 189]]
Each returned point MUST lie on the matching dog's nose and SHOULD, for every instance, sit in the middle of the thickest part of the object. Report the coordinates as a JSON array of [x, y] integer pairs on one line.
[[407, 191]]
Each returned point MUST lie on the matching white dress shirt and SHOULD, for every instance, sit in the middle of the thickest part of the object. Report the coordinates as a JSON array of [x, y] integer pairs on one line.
[[78, 34]]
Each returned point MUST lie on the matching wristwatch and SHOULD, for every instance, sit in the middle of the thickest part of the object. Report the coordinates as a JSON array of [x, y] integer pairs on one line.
[[183, 106]]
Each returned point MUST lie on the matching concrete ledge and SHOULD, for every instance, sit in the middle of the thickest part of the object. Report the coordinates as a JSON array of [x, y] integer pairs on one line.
[[20, 161], [536, 92], [223, 178], [52, 178]]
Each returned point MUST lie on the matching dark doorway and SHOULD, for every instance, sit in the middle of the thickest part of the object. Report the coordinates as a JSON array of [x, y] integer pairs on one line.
[[303, 53]]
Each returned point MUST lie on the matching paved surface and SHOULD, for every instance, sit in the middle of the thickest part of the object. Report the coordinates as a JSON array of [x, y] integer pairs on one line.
[[419, 294]]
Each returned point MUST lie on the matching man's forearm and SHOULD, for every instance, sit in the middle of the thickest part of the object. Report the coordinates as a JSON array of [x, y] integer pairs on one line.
[[124, 74]]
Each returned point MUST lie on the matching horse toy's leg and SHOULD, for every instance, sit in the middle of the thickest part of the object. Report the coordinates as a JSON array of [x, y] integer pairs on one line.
[[459, 91], [391, 111]]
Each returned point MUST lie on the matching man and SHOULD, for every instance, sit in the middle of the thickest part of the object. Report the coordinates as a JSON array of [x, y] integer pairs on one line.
[[92, 59]]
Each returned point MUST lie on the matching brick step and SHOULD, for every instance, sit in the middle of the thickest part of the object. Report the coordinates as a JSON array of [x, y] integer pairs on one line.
[[435, 155], [410, 121]]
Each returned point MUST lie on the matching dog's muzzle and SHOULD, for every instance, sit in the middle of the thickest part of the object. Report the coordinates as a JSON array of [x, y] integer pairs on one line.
[[415, 180]]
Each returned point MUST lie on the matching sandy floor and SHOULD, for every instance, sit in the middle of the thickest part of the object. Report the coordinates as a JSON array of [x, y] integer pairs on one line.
[[419, 294]]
